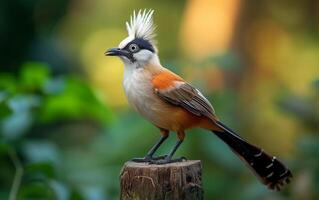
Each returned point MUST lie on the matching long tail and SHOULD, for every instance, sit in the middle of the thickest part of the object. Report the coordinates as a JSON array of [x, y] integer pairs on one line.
[[268, 168]]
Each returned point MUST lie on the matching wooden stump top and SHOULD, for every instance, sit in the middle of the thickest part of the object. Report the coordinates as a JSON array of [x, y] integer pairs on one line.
[[177, 164], [181, 180]]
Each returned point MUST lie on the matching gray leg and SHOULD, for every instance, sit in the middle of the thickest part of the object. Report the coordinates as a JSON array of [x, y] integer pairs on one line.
[[149, 155]]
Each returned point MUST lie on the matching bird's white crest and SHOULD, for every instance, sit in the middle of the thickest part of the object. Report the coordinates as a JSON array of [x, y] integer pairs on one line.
[[141, 25]]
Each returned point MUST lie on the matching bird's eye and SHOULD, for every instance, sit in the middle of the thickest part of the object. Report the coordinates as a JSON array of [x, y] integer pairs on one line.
[[133, 48]]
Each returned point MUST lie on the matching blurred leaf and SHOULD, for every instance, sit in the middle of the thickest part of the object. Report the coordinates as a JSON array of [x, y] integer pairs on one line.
[[76, 101], [16, 125], [4, 108], [41, 151], [75, 195], [33, 75], [4, 194], [226, 159], [22, 102], [305, 110], [229, 61], [8, 83], [94, 192], [4, 148], [21, 118], [60, 189], [316, 84], [36, 191], [43, 168], [54, 86], [254, 191], [310, 146]]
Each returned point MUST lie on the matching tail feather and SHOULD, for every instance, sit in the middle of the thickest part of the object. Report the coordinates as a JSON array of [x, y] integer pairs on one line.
[[268, 168]]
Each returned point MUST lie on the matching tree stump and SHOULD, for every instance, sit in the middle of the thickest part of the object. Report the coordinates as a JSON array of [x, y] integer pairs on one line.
[[181, 180]]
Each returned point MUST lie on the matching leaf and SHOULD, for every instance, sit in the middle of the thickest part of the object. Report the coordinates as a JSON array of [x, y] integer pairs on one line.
[[76, 101], [34, 75], [23, 102], [229, 61], [54, 86], [61, 190], [21, 118], [8, 83], [75, 195], [15, 125], [41, 151], [4, 108], [44, 168], [36, 191], [4, 148]]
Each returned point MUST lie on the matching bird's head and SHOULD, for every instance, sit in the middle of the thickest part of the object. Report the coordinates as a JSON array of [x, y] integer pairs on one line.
[[139, 47]]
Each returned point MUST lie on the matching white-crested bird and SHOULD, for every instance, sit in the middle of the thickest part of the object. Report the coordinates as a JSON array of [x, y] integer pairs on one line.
[[172, 104]]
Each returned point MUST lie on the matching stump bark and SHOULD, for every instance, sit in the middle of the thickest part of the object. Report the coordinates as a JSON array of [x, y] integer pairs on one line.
[[182, 180]]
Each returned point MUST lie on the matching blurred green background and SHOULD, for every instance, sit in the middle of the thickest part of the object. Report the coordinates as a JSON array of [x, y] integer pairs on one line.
[[66, 128]]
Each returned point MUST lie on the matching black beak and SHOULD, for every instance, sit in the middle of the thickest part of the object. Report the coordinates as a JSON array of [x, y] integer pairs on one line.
[[119, 52], [114, 52]]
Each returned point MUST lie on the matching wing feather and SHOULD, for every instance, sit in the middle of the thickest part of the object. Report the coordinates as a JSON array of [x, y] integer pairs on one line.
[[188, 97]]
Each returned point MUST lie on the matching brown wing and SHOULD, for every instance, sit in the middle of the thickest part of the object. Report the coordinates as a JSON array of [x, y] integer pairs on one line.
[[188, 97]]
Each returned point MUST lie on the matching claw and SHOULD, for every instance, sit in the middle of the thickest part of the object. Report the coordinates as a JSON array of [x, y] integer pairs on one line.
[[141, 160], [167, 160], [150, 159], [159, 157]]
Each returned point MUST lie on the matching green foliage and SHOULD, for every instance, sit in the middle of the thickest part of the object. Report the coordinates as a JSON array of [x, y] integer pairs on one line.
[[36, 190], [72, 99], [44, 169], [305, 109], [33, 76], [35, 98]]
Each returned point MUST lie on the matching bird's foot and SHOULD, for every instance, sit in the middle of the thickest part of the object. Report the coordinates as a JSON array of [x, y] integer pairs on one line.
[[167, 160], [162, 157], [141, 160], [149, 159]]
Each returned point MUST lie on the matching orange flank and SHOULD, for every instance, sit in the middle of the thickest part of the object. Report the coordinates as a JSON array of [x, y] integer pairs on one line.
[[165, 80], [189, 120]]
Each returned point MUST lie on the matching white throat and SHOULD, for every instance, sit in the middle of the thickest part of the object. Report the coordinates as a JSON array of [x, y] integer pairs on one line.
[[129, 66], [132, 69]]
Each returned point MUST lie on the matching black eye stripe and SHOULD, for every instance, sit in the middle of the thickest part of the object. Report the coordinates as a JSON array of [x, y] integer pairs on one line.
[[141, 43]]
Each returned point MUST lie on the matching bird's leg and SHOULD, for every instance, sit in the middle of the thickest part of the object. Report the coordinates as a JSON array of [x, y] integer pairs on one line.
[[149, 156], [168, 158]]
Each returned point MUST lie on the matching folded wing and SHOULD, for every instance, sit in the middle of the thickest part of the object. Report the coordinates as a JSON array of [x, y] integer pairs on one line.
[[184, 95]]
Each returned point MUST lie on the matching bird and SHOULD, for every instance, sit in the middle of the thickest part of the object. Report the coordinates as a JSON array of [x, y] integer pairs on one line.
[[172, 104]]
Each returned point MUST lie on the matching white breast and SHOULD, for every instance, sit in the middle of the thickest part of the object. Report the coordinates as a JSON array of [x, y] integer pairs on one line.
[[140, 93], [137, 88]]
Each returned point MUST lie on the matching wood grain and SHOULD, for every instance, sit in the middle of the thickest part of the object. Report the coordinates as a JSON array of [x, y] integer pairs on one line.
[[182, 180]]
